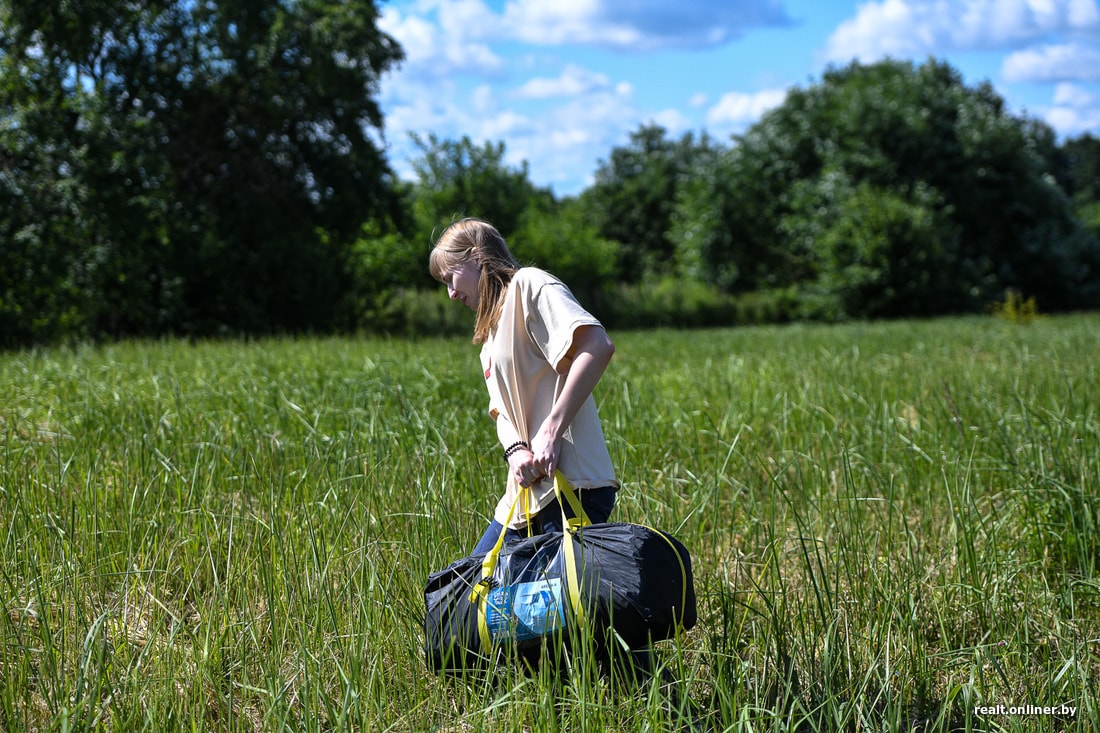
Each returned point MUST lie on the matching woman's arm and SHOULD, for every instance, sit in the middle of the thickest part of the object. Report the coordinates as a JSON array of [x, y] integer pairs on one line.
[[582, 366]]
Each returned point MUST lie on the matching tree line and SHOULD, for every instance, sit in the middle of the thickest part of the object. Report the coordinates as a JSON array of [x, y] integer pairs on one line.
[[203, 169]]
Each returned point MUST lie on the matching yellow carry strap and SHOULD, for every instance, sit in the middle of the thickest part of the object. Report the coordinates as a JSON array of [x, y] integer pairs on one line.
[[479, 595], [570, 526], [565, 491]]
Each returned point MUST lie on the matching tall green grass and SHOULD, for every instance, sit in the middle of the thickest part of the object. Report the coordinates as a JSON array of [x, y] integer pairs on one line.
[[891, 525]]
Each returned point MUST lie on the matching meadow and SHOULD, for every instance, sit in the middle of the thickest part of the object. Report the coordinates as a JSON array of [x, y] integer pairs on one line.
[[893, 527]]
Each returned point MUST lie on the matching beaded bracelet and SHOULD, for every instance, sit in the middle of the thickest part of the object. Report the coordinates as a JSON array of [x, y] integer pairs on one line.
[[514, 448]]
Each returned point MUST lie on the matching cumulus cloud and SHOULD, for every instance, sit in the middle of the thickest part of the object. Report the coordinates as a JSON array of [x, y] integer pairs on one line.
[[736, 110], [449, 37], [673, 120], [455, 32], [573, 80], [639, 25], [1064, 62], [562, 144], [916, 28], [1076, 110], [1073, 95]]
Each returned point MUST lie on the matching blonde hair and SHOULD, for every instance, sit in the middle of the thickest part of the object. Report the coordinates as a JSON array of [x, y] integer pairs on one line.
[[474, 239]]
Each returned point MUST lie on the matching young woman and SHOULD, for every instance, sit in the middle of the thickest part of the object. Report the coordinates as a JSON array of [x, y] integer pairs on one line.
[[542, 354]]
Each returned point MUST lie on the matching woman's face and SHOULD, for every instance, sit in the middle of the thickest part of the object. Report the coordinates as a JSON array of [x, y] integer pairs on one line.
[[462, 279]]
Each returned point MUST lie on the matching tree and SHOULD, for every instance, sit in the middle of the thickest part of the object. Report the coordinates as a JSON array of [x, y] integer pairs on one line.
[[724, 231], [894, 129], [879, 253], [634, 193], [41, 288], [1079, 172], [558, 237], [226, 154], [1079, 176], [457, 179]]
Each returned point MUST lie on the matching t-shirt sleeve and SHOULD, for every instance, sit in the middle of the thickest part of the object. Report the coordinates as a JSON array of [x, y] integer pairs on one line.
[[553, 316]]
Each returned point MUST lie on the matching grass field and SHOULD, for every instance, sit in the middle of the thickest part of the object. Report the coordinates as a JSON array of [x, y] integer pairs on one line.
[[892, 526]]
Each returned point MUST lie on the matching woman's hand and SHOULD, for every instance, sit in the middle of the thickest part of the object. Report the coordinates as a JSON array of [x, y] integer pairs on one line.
[[546, 449], [524, 468]]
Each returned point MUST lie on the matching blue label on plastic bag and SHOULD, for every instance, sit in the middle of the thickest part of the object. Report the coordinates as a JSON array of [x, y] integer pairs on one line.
[[525, 611]]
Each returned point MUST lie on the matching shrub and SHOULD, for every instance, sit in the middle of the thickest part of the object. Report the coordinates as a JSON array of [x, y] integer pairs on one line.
[[1015, 309]]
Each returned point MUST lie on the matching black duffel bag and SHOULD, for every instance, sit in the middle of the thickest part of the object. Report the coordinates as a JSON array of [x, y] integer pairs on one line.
[[627, 584]]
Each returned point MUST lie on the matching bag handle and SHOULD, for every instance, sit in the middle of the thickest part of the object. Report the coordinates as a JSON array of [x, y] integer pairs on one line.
[[570, 527], [490, 560], [564, 491]]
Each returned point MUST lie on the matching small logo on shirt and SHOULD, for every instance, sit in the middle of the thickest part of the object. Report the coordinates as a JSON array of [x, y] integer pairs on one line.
[[490, 369]]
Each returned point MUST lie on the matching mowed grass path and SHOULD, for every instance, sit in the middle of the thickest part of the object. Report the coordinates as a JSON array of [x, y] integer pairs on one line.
[[892, 525]]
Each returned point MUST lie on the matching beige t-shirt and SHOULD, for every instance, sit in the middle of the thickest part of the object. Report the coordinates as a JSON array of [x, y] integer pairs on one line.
[[518, 359]]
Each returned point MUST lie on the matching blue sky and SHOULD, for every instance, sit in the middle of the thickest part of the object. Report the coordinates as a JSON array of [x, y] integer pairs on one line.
[[562, 82]]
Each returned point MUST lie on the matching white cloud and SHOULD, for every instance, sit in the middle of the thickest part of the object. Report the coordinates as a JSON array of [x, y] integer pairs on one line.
[[1076, 110], [416, 35], [1063, 62], [561, 143], [916, 28], [463, 19], [634, 25], [879, 29], [564, 143], [1072, 95], [573, 81], [450, 45], [504, 124], [1071, 122], [1084, 14], [736, 110], [673, 120]]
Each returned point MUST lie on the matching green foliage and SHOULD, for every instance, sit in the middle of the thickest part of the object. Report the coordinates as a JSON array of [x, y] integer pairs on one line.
[[759, 307], [675, 302], [456, 179], [634, 193], [1079, 172], [42, 279], [217, 160], [667, 302], [719, 228], [1089, 214], [384, 263], [877, 253], [1016, 309], [560, 240], [418, 312], [212, 168], [1079, 177], [963, 181]]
